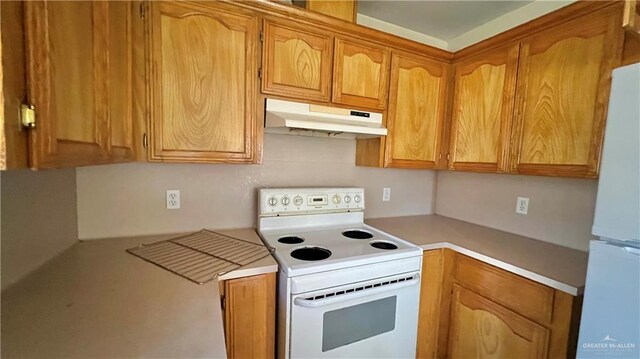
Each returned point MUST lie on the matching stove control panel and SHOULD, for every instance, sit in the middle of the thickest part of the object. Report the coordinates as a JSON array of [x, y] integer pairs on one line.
[[291, 201]]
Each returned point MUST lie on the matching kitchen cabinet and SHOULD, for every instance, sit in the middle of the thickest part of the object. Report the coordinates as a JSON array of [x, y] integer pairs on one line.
[[480, 328], [361, 74], [482, 112], [341, 9], [297, 62], [203, 85], [564, 78], [78, 78], [415, 118], [249, 306], [471, 309]]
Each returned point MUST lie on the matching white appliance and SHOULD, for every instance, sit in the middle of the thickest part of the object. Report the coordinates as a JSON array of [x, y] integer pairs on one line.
[[610, 325], [345, 289], [295, 118]]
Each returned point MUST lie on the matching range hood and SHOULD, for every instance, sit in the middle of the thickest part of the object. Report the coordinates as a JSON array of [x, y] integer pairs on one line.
[[295, 118]]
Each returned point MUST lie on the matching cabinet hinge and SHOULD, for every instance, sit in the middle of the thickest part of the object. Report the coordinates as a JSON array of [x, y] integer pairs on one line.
[[261, 36], [448, 156], [142, 10], [28, 116], [145, 140], [222, 301], [260, 73]]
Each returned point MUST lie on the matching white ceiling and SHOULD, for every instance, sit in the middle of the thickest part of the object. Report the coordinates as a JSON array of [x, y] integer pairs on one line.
[[444, 20]]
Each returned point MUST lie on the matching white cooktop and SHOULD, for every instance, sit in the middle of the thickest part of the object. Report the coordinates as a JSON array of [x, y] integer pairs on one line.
[[345, 252], [308, 235]]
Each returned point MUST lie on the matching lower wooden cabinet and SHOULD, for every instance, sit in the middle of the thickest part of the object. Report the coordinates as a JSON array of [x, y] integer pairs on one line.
[[249, 310], [481, 328], [469, 309]]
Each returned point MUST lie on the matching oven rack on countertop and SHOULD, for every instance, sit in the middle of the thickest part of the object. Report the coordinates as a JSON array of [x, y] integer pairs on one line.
[[202, 256]]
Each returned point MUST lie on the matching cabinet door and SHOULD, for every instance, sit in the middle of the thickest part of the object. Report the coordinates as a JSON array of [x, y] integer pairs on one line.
[[563, 88], [480, 328], [342, 9], [297, 63], [249, 316], [360, 74], [79, 81], [203, 85], [416, 111], [483, 110]]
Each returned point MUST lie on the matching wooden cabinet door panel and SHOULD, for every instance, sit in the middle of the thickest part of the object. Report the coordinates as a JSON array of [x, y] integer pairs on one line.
[[342, 9], [249, 316], [203, 86], [73, 49], [360, 75], [416, 111], [563, 87], [480, 328], [484, 89], [297, 63]]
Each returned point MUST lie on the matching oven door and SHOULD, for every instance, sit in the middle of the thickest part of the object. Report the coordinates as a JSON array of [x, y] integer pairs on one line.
[[372, 319]]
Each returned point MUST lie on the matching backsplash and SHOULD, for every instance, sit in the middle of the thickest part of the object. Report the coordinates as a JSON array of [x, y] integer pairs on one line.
[[38, 219], [129, 199], [560, 209]]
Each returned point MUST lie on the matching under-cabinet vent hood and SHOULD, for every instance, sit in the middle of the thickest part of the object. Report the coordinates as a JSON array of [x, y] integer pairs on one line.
[[303, 119]]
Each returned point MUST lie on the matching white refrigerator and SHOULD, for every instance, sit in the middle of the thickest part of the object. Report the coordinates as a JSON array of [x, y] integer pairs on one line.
[[610, 323]]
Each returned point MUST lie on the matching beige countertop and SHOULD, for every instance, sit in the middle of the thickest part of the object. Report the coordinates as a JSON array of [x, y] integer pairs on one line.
[[556, 266], [96, 300]]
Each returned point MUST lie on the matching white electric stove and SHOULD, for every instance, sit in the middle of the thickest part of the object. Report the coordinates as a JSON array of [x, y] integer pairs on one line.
[[345, 289]]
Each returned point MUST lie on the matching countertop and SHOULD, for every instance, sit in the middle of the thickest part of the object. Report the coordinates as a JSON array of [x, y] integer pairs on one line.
[[556, 266], [96, 300]]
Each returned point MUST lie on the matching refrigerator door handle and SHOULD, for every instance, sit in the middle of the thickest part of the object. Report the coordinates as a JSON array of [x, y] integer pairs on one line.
[[632, 250]]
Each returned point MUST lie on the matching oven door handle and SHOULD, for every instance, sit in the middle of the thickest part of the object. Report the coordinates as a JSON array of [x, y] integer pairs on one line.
[[310, 303]]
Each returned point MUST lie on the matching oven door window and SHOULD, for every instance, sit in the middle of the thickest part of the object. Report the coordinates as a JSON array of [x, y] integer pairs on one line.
[[358, 322]]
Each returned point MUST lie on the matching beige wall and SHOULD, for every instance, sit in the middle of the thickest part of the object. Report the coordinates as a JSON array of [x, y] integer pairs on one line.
[[129, 199], [560, 209], [38, 219]]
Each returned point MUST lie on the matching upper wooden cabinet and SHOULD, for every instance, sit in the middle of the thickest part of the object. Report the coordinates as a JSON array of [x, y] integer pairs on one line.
[[297, 62], [204, 66], [484, 89], [361, 74], [563, 89], [415, 117], [342, 9], [78, 67]]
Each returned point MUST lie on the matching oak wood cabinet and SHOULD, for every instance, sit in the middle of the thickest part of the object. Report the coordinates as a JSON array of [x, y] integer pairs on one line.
[[203, 85], [78, 64], [563, 89], [415, 117], [341, 9], [297, 62], [484, 91], [481, 328], [249, 316], [469, 309], [361, 74]]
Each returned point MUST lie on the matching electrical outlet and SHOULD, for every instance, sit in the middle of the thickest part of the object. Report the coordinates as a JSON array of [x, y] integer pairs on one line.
[[386, 194], [173, 199], [522, 205]]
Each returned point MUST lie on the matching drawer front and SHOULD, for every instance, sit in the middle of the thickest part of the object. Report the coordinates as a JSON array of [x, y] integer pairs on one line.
[[525, 297]]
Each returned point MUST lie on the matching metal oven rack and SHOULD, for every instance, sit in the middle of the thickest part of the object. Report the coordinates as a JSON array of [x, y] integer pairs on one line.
[[202, 256]]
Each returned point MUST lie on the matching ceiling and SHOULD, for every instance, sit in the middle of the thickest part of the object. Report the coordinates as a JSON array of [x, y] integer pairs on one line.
[[444, 20]]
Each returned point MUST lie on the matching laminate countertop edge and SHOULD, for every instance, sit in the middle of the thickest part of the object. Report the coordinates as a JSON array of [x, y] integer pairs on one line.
[[508, 267], [555, 266]]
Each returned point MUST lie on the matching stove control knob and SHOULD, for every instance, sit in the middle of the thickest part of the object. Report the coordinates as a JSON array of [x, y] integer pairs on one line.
[[272, 201], [297, 200], [337, 199], [347, 199], [285, 201], [356, 198]]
